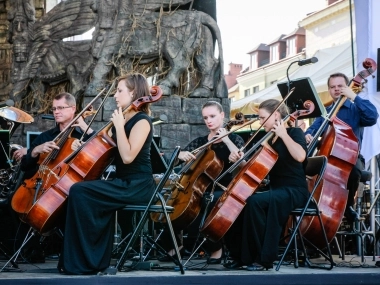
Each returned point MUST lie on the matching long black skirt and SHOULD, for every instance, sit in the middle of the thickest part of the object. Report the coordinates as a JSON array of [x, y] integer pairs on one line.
[[255, 235], [89, 228]]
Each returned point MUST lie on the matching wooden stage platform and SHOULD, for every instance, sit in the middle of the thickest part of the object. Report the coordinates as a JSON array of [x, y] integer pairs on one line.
[[349, 271]]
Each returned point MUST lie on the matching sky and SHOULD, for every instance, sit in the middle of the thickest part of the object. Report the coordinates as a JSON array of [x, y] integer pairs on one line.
[[244, 24]]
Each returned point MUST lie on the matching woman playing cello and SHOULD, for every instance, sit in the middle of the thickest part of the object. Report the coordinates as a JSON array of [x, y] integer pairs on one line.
[[253, 238], [213, 115], [92, 205]]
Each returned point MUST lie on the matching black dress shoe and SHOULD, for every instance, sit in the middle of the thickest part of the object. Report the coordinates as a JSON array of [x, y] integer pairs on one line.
[[211, 260], [168, 258], [233, 264], [259, 267], [351, 215]]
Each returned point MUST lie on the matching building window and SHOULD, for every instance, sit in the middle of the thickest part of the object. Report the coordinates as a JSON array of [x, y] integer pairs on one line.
[[291, 43], [247, 92], [255, 89], [274, 53], [254, 61]]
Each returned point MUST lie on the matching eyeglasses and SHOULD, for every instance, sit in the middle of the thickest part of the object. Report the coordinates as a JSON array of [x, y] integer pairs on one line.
[[59, 108]]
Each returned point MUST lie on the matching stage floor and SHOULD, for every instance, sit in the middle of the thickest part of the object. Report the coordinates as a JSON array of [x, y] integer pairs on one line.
[[349, 271]]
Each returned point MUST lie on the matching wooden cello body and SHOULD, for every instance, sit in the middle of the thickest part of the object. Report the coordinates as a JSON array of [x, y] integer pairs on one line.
[[26, 194], [340, 145], [88, 164], [233, 200], [186, 197]]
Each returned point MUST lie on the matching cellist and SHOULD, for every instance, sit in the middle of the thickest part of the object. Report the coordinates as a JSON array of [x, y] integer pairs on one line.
[[213, 116], [91, 207], [254, 237], [357, 113], [63, 108]]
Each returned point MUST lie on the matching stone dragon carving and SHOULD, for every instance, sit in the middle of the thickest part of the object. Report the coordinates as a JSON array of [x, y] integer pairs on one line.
[[128, 34]]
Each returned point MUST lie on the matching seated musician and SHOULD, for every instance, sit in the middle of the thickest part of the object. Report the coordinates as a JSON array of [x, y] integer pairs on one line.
[[91, 206], [213, 115], [254, 237], [357, 113], [64, 107]]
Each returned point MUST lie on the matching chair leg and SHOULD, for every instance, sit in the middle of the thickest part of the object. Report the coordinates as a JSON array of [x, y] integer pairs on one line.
[[338, 247], [293, 237], [175, 245]]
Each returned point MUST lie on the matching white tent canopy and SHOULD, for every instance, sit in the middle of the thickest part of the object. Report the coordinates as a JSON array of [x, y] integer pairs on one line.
[[330, 60]]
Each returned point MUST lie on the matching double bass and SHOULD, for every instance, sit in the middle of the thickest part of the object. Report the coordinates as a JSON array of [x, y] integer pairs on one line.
[[88, 162], [246, 182], [340, 145]]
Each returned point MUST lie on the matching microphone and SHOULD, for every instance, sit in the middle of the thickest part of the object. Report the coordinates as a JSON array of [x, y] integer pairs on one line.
[[307, 61], [7, 103]]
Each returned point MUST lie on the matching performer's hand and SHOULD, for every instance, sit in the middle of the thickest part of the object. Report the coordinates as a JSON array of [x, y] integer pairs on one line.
[[279, 128], [18, 154], [347, 91], [308, 138], [44, 148], [235, 156], [76, 144], [186, 156], [118, 118]]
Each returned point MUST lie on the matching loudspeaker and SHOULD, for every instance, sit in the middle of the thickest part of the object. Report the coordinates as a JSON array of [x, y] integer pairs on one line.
[[4, 150], [304, 90]]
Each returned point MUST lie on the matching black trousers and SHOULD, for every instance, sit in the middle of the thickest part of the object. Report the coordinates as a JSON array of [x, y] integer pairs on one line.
[[354, 180]]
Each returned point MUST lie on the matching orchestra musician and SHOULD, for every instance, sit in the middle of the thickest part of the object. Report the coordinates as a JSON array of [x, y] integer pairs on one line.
[[254, 237], [357, 113], [91, 207], [63, 108], [213, 115]]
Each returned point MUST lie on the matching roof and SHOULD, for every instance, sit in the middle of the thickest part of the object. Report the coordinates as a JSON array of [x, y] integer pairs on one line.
[[261, 47], [298, 31]]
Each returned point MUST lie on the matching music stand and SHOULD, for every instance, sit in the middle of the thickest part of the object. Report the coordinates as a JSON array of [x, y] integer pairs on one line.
[[159, 164], [304, 90]]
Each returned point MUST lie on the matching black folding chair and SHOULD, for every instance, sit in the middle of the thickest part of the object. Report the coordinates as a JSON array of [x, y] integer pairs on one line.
[[315, 166], [151, 207]]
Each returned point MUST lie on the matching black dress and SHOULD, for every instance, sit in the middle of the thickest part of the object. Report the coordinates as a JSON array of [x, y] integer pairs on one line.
[[255, 235], [92, 205]]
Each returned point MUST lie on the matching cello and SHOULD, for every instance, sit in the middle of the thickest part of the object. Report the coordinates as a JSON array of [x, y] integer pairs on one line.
[[88, 162], [340, 145], [195, 178], [246, 182]]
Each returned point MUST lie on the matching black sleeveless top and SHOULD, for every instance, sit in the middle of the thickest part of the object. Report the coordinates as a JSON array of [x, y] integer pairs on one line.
[[141, 165]]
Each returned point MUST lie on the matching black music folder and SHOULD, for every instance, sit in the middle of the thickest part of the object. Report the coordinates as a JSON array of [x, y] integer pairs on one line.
[[304, 90]]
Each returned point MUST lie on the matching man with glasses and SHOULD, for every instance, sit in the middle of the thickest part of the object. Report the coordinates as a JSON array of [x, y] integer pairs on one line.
[[64, 107]]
